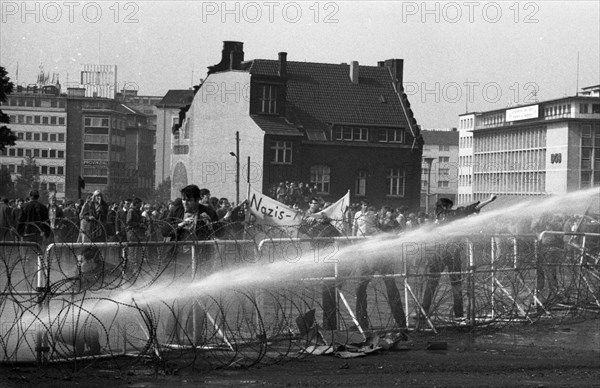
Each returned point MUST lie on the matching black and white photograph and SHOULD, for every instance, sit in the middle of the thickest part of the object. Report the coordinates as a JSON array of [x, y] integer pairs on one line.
[[299, 193]]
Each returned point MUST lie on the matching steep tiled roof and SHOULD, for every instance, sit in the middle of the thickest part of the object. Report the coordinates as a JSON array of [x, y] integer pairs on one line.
[[440, 137], [319, 94], [176, 98]]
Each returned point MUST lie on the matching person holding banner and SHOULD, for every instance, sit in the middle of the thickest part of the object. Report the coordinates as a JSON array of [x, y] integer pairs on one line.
[[317, 224]]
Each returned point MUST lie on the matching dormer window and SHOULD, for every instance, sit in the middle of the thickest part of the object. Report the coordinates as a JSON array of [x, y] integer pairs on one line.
[[268, 99]]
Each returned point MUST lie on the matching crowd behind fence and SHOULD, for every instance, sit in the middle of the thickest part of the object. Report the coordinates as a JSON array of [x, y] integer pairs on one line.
[[238, 301]]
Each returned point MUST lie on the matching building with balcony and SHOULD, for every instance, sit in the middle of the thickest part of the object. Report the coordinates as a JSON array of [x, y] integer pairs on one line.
[[549, 147]]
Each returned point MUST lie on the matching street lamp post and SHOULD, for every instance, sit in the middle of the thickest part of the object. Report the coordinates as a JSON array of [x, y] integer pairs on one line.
[[429, 162], [236, 154]]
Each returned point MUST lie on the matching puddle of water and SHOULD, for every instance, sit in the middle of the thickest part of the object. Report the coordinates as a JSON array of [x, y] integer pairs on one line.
[[579, 336]]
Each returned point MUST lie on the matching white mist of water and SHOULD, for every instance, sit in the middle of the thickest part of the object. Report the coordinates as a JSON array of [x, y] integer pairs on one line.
[[280, 271]]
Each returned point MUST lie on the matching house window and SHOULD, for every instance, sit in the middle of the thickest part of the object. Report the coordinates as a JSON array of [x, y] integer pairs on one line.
[[444, 147], [282, 152], [45, 120], [61, 137], [36, 153], [44, 136], [595, 108], [383, 135], [360, 134], [320, 177], [268, 99], [53, 120], [37, 119], [27, 135], [442, 184], [36, 136], [44, 170], [360, 183], [444, 159], [44, 153], [583, 108], [53, 137], [61, 121], [61, 154], [60, 170], [395, 182], [396, 136], [444, 171]]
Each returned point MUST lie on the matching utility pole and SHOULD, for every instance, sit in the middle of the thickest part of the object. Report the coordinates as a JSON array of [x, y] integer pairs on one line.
[[237, 168]]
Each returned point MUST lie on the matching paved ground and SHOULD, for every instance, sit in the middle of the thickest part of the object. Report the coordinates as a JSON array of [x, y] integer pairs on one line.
[[564, 355]]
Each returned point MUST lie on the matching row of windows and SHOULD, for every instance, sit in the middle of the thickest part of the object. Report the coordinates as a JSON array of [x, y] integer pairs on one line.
[[40, 136], [590, 156], [34, 152], [37, 119], [528, 138], [51, 186], [510, 182], [95, 171], [96, 122], [281, 151], [583, 108], [320, 176], [440, 185], [466, 123], [36, 102], [530, 160], [43, 170], [382, 135], [465, 142]]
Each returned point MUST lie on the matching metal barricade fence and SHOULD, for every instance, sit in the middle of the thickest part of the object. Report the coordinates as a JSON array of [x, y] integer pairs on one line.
[[499, 274]]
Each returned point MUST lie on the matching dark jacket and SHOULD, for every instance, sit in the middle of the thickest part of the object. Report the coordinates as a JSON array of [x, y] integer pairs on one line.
[[33, 219]]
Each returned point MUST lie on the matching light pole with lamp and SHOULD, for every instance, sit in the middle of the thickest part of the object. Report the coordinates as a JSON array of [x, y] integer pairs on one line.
[[429, 162], [236, 155]]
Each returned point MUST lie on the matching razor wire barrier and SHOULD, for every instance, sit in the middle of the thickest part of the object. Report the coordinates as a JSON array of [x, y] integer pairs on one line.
[[264, 296]]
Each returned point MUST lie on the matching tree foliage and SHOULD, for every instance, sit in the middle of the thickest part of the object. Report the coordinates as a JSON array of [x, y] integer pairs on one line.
[[162, 193], [7, 187], [7, 137], [28, 178]]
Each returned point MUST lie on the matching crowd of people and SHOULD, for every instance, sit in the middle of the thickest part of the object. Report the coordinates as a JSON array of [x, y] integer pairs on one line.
[[197, 215], [96, 220]]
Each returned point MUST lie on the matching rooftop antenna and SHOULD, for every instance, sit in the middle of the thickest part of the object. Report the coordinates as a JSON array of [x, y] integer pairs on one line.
[[577, 84], [467, 100], [192, 83]]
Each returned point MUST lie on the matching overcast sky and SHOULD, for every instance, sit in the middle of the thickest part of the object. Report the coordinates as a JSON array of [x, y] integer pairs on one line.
[[457, 55]]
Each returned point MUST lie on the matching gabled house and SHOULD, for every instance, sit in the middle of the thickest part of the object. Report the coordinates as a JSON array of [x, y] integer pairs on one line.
[[337, 126]]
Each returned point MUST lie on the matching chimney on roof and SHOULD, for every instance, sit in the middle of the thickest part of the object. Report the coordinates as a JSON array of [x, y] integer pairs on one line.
[[396, 67], [229, 61], [283, 64], [354, 72], [381, 64]]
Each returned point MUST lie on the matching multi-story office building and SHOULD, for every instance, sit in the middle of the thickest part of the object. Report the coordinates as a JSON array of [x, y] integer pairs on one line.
[[549, 147], [38, 116], [96, 139], [439, 171]]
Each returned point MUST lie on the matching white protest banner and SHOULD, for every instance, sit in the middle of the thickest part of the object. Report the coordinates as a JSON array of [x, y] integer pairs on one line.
[[267, 211], [337, 211]]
